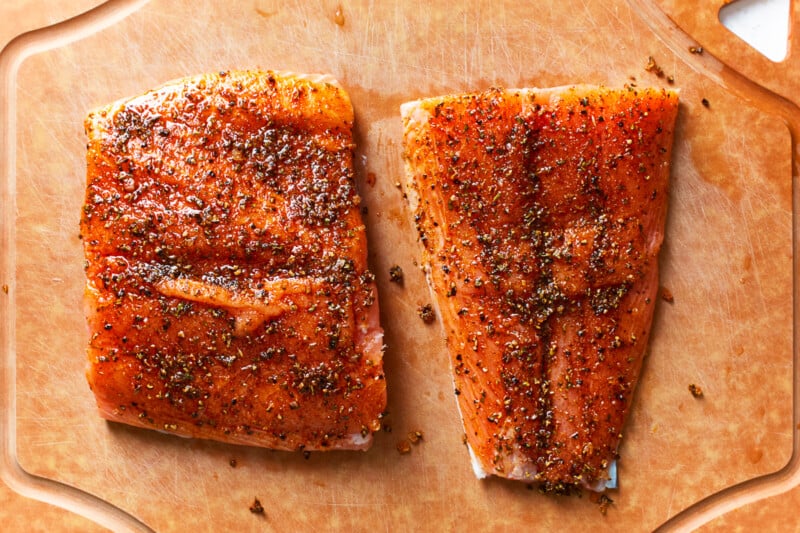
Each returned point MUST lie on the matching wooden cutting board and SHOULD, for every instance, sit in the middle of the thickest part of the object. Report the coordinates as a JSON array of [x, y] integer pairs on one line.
[[728, 260]]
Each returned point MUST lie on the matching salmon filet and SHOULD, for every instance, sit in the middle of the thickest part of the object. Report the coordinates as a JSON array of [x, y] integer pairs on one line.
[[228, 295], [541, 214]]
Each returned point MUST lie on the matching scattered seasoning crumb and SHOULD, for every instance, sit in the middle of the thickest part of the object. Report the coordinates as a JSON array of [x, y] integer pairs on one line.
[[705, 102], [364, 210], [371, 179], [666, 295], [696, 49], [670, 79], [396, 274], [414, 436], [404, 447], [604, 502], [426, 313], [256, 508], [306, 454], [653, 67], [696, 391], [232, 462], [5, 288], [338, 17], [464, 439], [387, 427]]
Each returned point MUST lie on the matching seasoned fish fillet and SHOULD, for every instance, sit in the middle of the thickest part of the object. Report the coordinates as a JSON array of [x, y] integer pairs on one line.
[[542, 213], [228, 295]]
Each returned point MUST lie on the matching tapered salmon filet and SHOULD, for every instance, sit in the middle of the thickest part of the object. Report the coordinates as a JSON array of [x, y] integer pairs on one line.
[[541, 214], [228, 295]]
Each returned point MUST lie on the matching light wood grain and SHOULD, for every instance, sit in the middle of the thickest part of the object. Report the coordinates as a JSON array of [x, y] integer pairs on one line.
[[727, 260]]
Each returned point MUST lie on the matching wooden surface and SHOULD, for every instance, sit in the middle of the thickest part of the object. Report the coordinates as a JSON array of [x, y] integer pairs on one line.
[[694, 17], [727, 260], [17, 512]]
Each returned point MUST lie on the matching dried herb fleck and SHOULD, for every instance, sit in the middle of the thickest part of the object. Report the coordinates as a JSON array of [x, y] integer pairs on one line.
[[232, 462], [696, 391], [604, 503], [653, 67], [696, 50], [705, 102]]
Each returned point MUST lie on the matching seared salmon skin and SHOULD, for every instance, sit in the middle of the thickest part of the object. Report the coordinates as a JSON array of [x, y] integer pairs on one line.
[[228, 295], [541, 214]]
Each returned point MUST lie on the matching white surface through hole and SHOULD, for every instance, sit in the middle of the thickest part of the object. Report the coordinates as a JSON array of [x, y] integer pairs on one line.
[[763, 24]]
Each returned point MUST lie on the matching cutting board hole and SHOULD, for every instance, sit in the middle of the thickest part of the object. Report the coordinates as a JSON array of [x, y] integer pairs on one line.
[[763, 24]]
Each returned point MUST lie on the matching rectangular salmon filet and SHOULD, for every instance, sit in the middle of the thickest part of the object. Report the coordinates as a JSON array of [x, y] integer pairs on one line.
[[541, 214], [228, 295]]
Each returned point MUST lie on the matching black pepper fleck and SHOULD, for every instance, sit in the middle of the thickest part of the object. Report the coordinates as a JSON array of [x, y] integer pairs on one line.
[[696, 391], [256, 507], [426, 313], [396, 274]]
